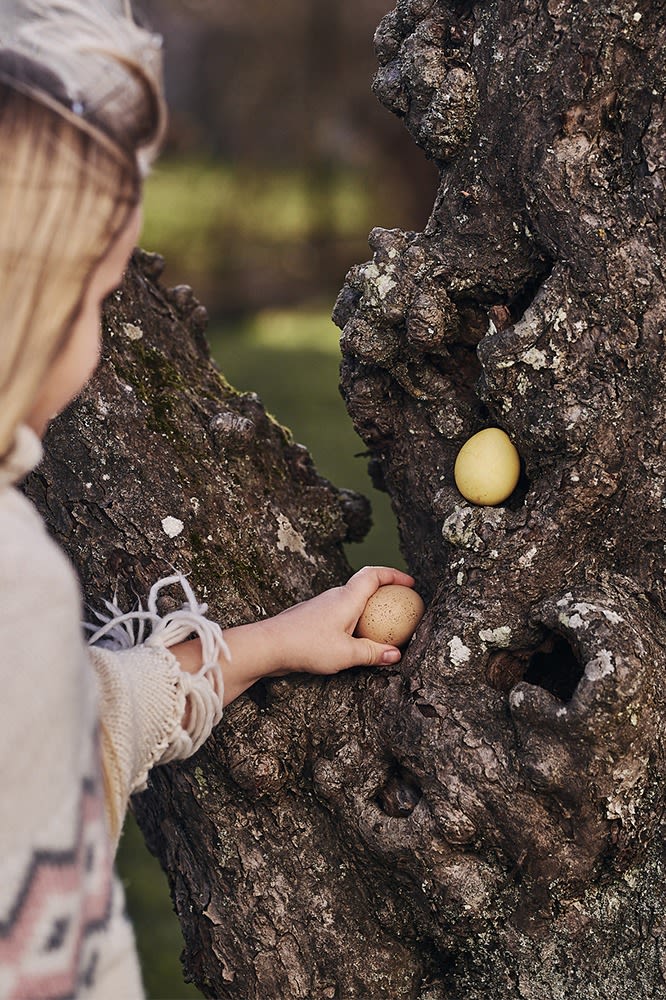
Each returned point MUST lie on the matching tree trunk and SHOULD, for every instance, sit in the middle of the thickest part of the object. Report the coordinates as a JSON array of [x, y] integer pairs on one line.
[[486, 820]]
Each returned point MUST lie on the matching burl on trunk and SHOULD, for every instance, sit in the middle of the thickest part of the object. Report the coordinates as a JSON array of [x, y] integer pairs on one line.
[[487, 820]]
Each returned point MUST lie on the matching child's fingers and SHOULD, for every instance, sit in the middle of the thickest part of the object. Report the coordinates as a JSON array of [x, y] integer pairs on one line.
[[369, 579], [367, 653]]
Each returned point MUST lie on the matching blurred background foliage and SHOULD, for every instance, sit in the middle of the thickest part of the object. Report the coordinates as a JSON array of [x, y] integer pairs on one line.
[[279, 161]]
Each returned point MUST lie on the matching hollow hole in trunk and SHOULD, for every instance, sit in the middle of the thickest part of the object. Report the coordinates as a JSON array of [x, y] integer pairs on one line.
[[522, 300], [400, 793], [258, 693], [427, 710], [461, 368], [557, 669], [517, 498], [463, 8], [553, 665]]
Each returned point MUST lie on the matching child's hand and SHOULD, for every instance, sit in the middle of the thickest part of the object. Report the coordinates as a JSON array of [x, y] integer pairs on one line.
[[314, 637], [317, 635]]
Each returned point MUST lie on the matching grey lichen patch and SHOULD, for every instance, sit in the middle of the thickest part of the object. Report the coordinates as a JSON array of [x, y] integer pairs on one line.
[[500, 637], [458, 651], [172, 526], [580, 614], [289, 539], [471, 528], [200, 778], [535, 358], [379, 281], [132, 331], [459, 530], [526, 560], [600, 666]]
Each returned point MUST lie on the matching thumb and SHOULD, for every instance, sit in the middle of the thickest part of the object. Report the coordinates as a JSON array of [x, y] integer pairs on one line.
[[374, 654]]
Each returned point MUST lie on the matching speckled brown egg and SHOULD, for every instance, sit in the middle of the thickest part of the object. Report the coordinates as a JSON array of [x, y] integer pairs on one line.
[[391, 615]]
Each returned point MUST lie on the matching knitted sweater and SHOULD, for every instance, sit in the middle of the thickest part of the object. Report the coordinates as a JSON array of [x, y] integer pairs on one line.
[[63, 932]]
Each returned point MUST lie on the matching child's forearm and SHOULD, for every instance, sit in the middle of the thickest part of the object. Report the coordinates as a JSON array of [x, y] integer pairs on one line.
[[252, 657]]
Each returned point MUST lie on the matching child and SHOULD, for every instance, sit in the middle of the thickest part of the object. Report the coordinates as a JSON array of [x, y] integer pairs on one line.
[[81, 114]]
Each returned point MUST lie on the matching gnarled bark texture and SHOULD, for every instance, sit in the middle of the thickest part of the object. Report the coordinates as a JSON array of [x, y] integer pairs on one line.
[[485, 821]]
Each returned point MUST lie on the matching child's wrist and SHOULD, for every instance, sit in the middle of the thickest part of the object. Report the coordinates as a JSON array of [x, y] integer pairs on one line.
[[256, 650], [274, 658]]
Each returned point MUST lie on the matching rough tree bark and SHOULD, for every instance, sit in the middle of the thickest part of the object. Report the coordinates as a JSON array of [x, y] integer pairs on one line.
[[487, 820]]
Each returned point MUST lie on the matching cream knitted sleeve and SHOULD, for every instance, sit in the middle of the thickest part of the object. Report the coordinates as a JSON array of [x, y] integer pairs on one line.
[[144, 694]]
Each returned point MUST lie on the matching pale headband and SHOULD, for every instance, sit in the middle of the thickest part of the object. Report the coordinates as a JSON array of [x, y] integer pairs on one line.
[[98, 66]]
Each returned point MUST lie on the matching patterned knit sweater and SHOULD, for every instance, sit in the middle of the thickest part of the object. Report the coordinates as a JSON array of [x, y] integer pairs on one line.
[[63, 932]]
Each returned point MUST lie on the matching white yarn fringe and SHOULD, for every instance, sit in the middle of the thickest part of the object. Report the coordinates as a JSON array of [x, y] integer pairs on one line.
[[204, 691]]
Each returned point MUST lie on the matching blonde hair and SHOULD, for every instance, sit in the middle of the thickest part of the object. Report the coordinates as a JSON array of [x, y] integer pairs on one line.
[[71, 162], [63, 200]]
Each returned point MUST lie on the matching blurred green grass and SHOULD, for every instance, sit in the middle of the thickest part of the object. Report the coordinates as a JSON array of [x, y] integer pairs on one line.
[[246, 237], [185, 201], [291, 359]]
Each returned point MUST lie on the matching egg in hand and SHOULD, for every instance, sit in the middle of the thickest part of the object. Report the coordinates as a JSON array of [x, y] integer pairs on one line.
[[391, 615]]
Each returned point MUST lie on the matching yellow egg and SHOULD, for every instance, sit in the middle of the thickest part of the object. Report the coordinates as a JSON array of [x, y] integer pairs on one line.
[[487, 468], [391, 615]]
